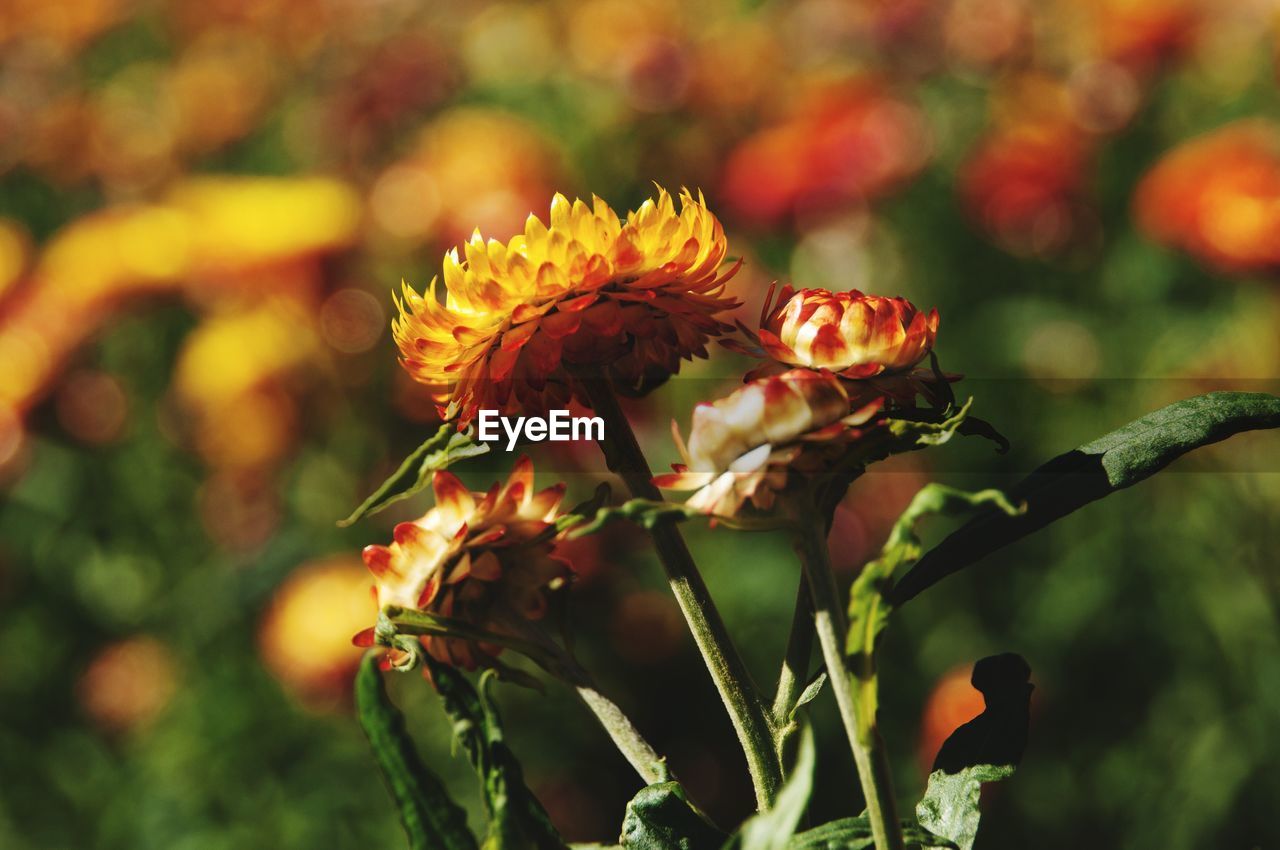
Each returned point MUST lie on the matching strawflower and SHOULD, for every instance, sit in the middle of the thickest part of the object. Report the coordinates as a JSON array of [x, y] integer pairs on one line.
[[848, 333], [587, 291], [483, 559], [744, 447]]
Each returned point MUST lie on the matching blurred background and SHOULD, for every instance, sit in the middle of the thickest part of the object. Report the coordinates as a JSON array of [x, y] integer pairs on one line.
[[205, 204]]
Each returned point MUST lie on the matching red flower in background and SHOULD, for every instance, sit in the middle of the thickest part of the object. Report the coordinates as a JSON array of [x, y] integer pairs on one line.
[[846, 143], [1024, 186]]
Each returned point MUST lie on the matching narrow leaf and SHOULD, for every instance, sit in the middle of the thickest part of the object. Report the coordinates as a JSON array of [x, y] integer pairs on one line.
[[773, 829], [810, 693], [868, 607], [432, 821], [1097, 469], [443, 448], [516, 818]]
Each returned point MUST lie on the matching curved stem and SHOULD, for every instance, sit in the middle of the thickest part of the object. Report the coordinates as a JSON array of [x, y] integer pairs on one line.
[[864, 737], [741, 698]]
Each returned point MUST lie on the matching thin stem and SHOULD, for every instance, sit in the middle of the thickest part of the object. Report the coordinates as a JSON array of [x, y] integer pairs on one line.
[[795, 668], [625, 736], [741, 698], [560, 663], [868, 748]]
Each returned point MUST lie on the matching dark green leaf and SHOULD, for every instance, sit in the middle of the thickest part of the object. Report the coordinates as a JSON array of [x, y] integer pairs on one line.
[[443, 448], [661, 818], [773, 829], [855, 834], [516, 818], [431, 820], [1097, 469]]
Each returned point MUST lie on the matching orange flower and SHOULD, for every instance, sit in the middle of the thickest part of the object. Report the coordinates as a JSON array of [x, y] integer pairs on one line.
[[485, 559], [743, 446], [631, 298], [849, 333], [1217, 197]]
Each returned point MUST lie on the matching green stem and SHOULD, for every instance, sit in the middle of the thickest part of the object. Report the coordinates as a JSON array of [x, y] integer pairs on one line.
[[626, 737], [864, 737], [795, 669], [741, 698], [532, 642]]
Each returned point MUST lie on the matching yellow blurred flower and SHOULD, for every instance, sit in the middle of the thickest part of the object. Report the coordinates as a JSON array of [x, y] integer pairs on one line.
[[305, 635], [630, 297], [482, 558], [849, 333], [742, 447], [230, 377], [470, 168], [262, 235], [15, 252]]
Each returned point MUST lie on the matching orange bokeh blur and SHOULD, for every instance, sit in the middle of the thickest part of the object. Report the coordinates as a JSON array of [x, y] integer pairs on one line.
[[1217, 197]]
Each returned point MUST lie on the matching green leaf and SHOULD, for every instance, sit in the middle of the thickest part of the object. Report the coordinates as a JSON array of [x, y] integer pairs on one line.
[[986, 749], [773, 829], [868, 608], [443, 448], [809, 694], [516, 818], [660, 817], [645, 513], [855, 834], [432, 821], [950, 804], [1097, 469]]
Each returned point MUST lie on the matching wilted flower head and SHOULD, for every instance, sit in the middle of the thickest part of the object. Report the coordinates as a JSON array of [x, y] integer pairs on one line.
[[849, 333], [743, 446], [481, 558], [630, 297]]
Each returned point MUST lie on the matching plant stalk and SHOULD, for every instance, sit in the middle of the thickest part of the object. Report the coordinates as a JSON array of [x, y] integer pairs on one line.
[[741, 698], [864, 738], [795, 669], [626, 737]]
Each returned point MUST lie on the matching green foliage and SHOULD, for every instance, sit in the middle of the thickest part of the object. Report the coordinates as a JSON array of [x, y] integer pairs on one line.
[[1099, 468], [868, 608], [432, 821], [660, 817], [773, 829], [950, 803], [516, 819], [439, 451], [855, 834], [986, 749]]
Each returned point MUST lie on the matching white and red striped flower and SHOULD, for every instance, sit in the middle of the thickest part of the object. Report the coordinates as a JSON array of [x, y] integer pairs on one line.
[[849, 333], [744, 446]]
